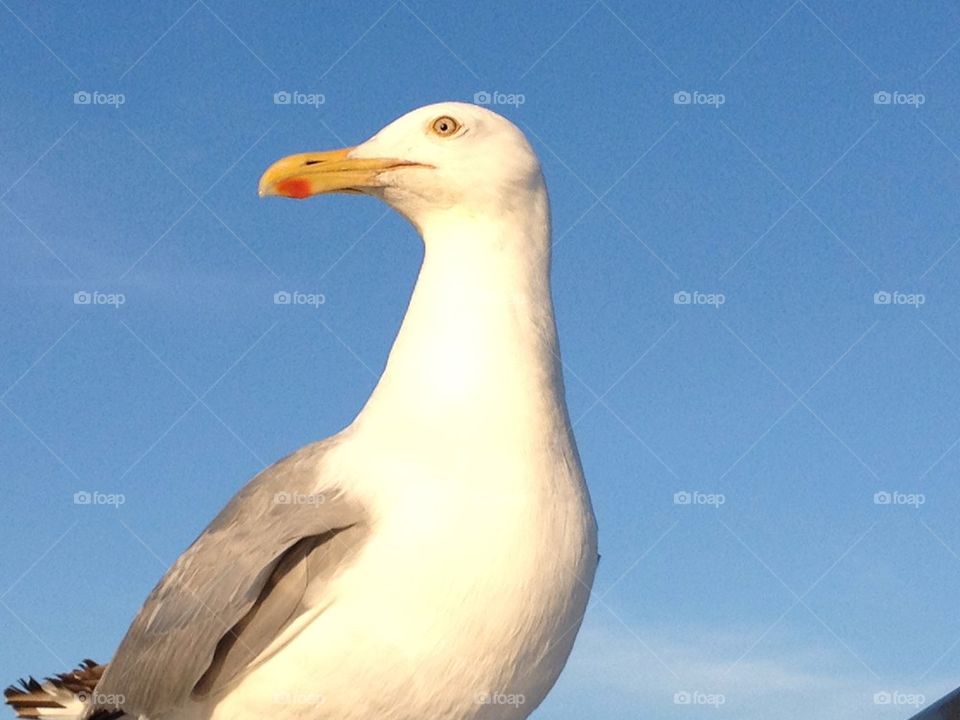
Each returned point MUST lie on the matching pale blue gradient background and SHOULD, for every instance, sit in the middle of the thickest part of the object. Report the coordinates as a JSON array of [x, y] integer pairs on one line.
[[798, 399]]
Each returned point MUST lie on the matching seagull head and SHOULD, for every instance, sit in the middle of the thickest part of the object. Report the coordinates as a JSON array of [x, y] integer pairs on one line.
[[444, 158]]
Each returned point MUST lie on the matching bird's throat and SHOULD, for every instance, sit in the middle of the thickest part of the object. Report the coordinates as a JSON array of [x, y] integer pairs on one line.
[[479, 337]]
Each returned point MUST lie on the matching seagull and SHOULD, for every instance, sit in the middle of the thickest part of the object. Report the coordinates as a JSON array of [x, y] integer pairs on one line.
[[434, 559]]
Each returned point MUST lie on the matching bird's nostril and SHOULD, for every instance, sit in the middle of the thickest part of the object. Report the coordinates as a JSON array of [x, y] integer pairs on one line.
[[312, 162]]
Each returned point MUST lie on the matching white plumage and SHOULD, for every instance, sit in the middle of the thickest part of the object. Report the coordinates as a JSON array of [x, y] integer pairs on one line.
[[462, 543]]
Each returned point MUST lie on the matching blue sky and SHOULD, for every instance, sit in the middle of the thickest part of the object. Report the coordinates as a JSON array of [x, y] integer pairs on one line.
[[756, 292]]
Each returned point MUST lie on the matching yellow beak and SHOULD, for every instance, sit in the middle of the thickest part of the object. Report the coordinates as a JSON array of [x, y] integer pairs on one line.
[[301, 176]]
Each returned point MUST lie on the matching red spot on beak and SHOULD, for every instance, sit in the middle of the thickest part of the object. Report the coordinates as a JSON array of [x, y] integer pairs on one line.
[[294, 188]]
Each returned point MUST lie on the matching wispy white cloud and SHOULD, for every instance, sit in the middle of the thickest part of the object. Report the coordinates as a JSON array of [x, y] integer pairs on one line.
[[620, 672]]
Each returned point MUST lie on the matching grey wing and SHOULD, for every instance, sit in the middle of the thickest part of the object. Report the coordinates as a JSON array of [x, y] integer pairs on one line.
[[240, 583]]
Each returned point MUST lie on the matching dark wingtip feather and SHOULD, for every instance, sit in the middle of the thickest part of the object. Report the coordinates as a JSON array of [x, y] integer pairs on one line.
[[30, 696]]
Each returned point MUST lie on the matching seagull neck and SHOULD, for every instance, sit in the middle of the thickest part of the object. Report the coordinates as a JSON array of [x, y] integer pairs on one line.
[[479, 336]]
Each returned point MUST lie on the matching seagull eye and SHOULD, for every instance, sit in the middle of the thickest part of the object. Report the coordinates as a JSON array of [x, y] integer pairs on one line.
[[445, 126]]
